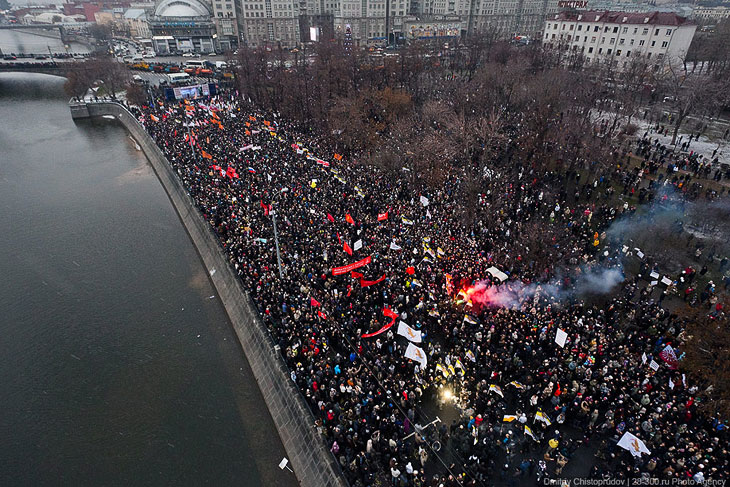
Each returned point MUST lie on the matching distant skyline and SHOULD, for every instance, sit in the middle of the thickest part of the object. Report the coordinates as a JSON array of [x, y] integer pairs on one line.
[[36, 2]]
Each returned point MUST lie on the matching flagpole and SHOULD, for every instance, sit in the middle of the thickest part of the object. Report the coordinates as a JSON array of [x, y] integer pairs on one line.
[[276, 239]]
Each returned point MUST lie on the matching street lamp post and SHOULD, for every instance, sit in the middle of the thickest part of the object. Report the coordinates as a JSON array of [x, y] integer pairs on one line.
[[276, 239]]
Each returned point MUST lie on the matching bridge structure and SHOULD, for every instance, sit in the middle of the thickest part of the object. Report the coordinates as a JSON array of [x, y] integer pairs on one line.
[[67, 32], [58, 26], [55, 68]]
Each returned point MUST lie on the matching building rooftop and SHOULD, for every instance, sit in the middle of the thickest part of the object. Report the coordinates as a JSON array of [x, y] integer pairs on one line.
[[649, 18], [134, 13]]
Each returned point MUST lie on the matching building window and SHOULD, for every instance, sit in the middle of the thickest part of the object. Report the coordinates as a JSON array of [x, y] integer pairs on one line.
[[618, 52], [590, 50], [621, 42], [665, 44], [593, 39], [631, 42], [653, 43], [625, 30], [613, 40], [641, 42], [645, 31], [656, 32], [615, 30], [669, 32], [580, 27], [595, 29], [609, 52], [628, 53], [600, 50]]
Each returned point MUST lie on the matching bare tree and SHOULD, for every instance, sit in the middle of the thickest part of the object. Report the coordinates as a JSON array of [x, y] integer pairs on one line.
[[687, 93]]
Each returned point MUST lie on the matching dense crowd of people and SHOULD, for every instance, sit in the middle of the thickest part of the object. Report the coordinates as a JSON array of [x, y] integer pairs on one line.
[[430, 275]]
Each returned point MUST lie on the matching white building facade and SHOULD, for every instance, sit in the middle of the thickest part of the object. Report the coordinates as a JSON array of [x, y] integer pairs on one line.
[[600, 35]]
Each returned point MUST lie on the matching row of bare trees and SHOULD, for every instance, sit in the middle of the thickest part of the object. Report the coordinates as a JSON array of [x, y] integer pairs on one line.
[[99, 70], [479, 105]]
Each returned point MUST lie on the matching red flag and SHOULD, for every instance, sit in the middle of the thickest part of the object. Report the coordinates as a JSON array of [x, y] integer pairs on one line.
[[349, 219], [381, 330], [382, 216], [557, 391], [365, 283], [266, 208], [410, 270], [338, 157], [231, 173], [330, 218], [347, 249], [314, 302], [321, 315], [357, 275]]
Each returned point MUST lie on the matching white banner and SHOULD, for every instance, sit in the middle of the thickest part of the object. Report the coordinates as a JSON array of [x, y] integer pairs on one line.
[[633, 444], [409, 333], [417, 354], [560, 338]]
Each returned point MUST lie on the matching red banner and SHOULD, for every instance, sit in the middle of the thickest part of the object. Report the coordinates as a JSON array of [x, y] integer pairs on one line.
[[365, 283], [337, 271], [385, 328], [382, 216]]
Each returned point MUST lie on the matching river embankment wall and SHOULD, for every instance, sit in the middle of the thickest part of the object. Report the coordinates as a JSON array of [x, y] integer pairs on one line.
[[313, 464]]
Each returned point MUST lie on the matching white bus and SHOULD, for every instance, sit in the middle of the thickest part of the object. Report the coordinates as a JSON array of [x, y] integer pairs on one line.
[[195, 64], [178, 78]]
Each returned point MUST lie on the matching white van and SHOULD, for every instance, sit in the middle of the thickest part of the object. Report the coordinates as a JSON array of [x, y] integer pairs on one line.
[[199, 63]]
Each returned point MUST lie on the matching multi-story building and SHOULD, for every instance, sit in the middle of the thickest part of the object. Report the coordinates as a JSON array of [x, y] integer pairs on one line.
[[269, 23], [136, 19], [372, 21], [619, 35], [524, 17], [182, 26], [711, 14], [287, 22], [226, 24]]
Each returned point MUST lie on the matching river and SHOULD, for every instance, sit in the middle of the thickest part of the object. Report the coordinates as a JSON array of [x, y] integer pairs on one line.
[[119, 365]]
